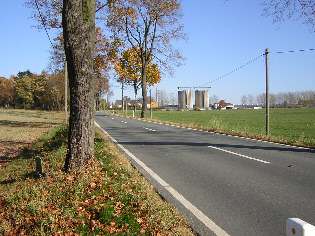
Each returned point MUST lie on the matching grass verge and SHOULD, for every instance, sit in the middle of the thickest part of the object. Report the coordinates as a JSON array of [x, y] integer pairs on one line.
[[294, 126], [109, 198], [20, 128]]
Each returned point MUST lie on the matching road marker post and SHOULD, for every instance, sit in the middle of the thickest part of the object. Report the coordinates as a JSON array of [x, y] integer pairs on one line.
[[298, 227]]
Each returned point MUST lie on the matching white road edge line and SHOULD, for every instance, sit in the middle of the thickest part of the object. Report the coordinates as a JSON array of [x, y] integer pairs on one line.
[[241, 155], [194, 210]]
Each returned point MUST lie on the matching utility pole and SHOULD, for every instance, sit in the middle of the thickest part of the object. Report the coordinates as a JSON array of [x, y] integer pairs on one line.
[[126, 102], [66, 90], [157, 95], [150, 104], [122, 96], [267, 92]]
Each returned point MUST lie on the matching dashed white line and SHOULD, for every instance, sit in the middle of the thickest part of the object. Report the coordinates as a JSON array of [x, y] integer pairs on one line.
[[189, 206], [149, 129], [241, 155]]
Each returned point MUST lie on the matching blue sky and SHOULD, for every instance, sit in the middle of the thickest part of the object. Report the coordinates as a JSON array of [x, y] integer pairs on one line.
[[222, 35]]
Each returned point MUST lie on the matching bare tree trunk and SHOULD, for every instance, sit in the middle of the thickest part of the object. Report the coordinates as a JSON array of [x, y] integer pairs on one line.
[[78, 21]]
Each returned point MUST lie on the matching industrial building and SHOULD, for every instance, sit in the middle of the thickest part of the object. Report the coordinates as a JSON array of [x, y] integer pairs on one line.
[[185, 99], [202, 99]]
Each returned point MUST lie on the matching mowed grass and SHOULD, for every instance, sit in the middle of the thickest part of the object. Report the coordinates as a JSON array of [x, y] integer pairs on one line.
[[289, 126], [20, 128], [109, 197]]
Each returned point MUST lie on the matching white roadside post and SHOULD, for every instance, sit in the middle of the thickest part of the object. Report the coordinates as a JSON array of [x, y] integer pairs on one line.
[[298, 227]]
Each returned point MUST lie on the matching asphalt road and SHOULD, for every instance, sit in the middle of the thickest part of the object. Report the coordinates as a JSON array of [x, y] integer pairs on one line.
[[244, 186]]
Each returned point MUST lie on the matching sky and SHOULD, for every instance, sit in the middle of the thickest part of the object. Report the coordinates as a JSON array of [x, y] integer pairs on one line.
[[222, 36]]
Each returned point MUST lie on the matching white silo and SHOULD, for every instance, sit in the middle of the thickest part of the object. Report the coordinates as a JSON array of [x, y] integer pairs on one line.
[[206, 99], [189, 99]]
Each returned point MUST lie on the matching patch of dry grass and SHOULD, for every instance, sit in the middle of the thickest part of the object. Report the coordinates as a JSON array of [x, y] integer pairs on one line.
[[20, 128]]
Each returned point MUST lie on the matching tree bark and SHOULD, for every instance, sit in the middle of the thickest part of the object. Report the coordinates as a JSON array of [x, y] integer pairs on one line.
[[78, 21]]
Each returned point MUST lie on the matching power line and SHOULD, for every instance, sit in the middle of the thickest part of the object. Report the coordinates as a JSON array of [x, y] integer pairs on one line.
[[246, 64], [290, 51], [294, 51], [43, 22]]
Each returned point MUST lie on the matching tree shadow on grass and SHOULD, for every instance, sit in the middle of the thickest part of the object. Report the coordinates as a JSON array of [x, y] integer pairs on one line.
[[31, 175], [9, 123], [57, 141]]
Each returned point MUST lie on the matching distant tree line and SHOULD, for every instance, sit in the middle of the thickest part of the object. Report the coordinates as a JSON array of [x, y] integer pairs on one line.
[[287, 99], [31, 91], [28, 90]]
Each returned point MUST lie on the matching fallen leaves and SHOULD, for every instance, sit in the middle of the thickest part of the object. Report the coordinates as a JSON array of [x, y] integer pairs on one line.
[[103, 198]]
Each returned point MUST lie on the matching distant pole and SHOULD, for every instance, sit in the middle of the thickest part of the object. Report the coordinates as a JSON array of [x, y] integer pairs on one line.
[[122, 96], [151, 104], [66, 90], [126, 102], [267, 92], [157, 95]]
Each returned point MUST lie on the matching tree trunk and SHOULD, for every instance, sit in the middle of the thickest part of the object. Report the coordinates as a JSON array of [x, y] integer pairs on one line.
[[144, 90], [78, 21]]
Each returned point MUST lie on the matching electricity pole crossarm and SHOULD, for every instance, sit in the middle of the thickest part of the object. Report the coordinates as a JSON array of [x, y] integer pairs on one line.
[[192, 87]]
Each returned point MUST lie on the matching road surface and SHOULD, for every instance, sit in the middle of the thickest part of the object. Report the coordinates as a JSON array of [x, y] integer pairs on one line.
[[224, 185]]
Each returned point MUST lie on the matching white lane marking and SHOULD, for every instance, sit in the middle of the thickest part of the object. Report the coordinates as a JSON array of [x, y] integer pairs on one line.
[[153, 130], [113, 118], [241, 155], [292, 146], [190, 207]]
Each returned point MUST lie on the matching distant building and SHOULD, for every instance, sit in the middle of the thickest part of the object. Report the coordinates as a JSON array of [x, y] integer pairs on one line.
[[153, 105], [230, 106], [216, 105]]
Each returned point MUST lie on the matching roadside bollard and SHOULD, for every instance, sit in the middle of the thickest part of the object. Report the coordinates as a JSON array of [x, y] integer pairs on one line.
[[39, 167], [298, 227]]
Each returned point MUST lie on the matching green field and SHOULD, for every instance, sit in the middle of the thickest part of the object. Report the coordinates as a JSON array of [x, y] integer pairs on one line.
[[291, 126]]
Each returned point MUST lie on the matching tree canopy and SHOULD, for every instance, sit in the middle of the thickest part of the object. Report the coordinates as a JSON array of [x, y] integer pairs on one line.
[[286, 9], [149, 27]]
